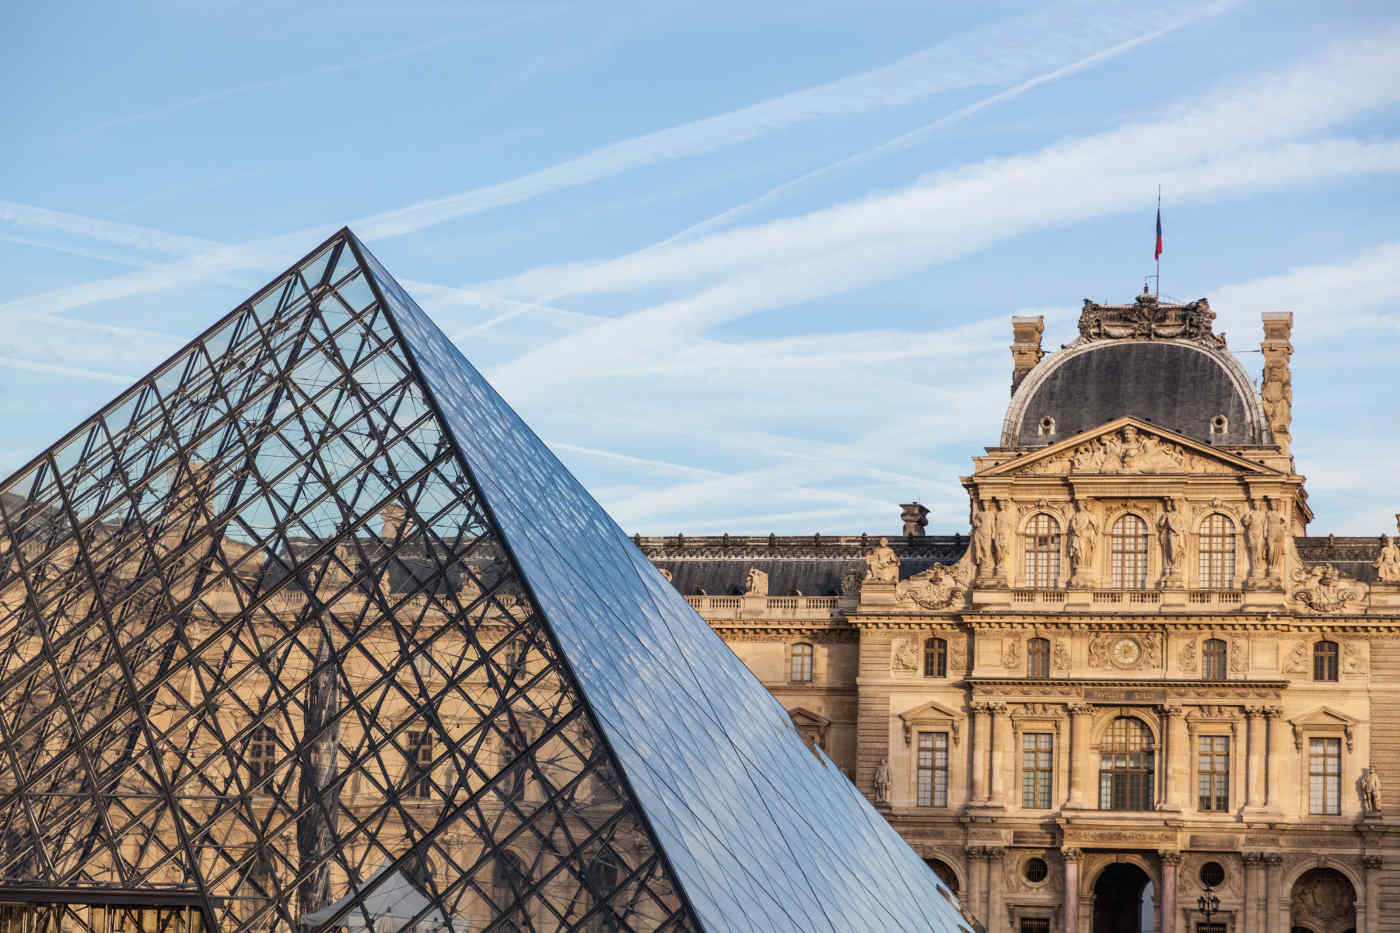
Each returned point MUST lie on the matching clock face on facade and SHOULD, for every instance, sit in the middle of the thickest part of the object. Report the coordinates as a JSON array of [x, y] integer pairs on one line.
[[1126, 652]]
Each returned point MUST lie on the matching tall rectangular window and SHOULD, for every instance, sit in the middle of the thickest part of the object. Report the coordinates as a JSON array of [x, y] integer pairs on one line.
[[1037, 769], [420, 764], [933, 769], [262, 753], [1213, 772], [1325, 776], [935, 657], [801, 663], [1217, 552], [1128, 553], [1042, 546]]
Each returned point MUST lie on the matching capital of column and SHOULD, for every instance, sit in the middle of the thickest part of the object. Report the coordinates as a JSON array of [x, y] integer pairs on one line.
[[1372, 862], [1253, 712], [1253, 858], [990, 853], [1273, 712], [1078, 709], [1169, 711], [997, 707], [1071, 854], [1169, 857], [981, 706], [1273, 859]]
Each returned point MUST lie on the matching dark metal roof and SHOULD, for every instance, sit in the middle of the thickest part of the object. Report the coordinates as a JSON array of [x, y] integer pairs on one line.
[[1177, 385], [1352, 556]]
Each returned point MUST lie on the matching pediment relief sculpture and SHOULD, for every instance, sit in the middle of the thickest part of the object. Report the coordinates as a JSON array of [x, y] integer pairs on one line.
[[904, 656], [942, 586], [1324, 588], [1128, 447]]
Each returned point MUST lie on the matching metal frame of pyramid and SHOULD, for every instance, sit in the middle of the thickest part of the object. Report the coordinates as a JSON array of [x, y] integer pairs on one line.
[[307, 630]]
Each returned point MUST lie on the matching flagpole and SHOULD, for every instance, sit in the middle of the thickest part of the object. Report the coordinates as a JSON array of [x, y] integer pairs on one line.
[[1159, 242]]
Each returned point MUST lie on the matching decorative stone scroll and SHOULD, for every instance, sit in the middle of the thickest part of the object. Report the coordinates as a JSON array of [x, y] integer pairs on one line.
[[1145, 318], [1324, 588], [942, 586]]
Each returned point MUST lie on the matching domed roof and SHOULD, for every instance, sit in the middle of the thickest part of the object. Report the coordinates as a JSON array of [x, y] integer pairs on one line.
[[1158, 363]]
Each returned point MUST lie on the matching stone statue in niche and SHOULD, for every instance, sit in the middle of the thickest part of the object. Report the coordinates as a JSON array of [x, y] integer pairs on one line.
[[1275, 539], [1172, 539], [904, 657], [881, 781], [755, 583], [1370, 787], [1004, 532], [1083, 536], [1253, 521], [982, 534], [1388, 563], [882, 564], [1277, 392]]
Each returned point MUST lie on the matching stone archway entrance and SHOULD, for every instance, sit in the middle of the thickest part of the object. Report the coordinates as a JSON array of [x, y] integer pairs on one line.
[[1123, 898], [1323, 901]]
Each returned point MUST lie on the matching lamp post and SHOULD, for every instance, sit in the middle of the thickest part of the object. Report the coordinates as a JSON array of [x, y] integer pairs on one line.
[[1208, 904]]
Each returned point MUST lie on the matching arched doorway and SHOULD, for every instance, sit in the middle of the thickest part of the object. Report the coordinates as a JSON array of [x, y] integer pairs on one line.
[[1324, 901], [944, 872], [1123, 901]]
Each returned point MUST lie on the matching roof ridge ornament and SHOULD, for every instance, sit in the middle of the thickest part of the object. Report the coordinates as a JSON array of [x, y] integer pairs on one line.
[[1147, 318]]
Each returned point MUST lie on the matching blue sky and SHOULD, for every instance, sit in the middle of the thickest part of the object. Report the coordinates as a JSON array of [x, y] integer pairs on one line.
[[746, 267]]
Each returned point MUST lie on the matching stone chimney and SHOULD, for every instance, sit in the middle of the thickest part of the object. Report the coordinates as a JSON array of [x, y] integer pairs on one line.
[[1276, 386], [1025, 346], [915, 519]]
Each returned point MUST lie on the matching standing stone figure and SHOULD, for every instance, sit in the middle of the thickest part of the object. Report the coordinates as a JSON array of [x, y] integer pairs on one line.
[[1003, 533], [755, 583], [1254, 543], [982, 533], [1370, 791], [1172, 538], [882, 564], [1388, 563], [1083, 536], [882, 781], [1275, 538]]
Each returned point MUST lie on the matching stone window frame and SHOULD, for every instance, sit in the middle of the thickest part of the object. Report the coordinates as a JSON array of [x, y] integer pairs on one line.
[[1153, 723], [928, 642], [1205, 671], [1218, 722], [1035, 719], [787, 660], [809, 722], [1327, 723], [1036, 641], [1024, 536], [1104, 559], [930, 717], [1235, 578]]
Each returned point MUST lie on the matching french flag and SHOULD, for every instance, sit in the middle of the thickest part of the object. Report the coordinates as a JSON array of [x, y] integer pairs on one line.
[[1158, 253]]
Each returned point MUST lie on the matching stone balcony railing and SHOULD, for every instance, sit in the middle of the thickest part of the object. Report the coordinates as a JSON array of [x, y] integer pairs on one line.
[[764, 607], [1126, 600]]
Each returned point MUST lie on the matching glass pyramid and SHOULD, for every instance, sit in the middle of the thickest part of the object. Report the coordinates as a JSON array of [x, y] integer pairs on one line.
[[308, 631]]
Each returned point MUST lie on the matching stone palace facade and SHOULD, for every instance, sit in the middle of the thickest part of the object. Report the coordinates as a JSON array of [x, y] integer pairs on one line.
[[1136, 683]]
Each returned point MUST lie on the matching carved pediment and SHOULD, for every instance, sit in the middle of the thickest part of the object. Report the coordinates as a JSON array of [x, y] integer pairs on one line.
[[1128, 446], [1324, 720], [931, 714], [805, 717]]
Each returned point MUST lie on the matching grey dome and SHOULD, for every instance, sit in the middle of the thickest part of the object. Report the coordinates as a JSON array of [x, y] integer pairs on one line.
[[1181, 385]]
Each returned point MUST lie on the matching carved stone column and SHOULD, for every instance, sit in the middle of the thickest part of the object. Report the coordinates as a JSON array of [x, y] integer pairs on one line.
[[996, 763], [1166, 895], [1079, 755], [975, 896], [981, 749], [1276, 389], [1371, 866], [1277, 903], [995, 918], [1252, 921], [1273, 767], [1176, 758], [1071, 859], [1254, 760]]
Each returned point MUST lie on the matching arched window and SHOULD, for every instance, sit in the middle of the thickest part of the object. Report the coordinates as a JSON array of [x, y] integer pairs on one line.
[[1325, 660], [801, 663], [1038, 657], [1128, 548], [1042, 540], [1217, 552], [1125, 766], [1215, 658], [935, 657]]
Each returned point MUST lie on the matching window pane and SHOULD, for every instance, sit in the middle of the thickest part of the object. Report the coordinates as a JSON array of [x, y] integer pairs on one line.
[[1037, 769], [801, 662], [1217, 549], [935, 658], [1214, 657], [1128, 549], [932, 770], [1213, 771], [1325, 660], [1042, 547], [1038, 658], [1126, 767], [1325, 775]]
